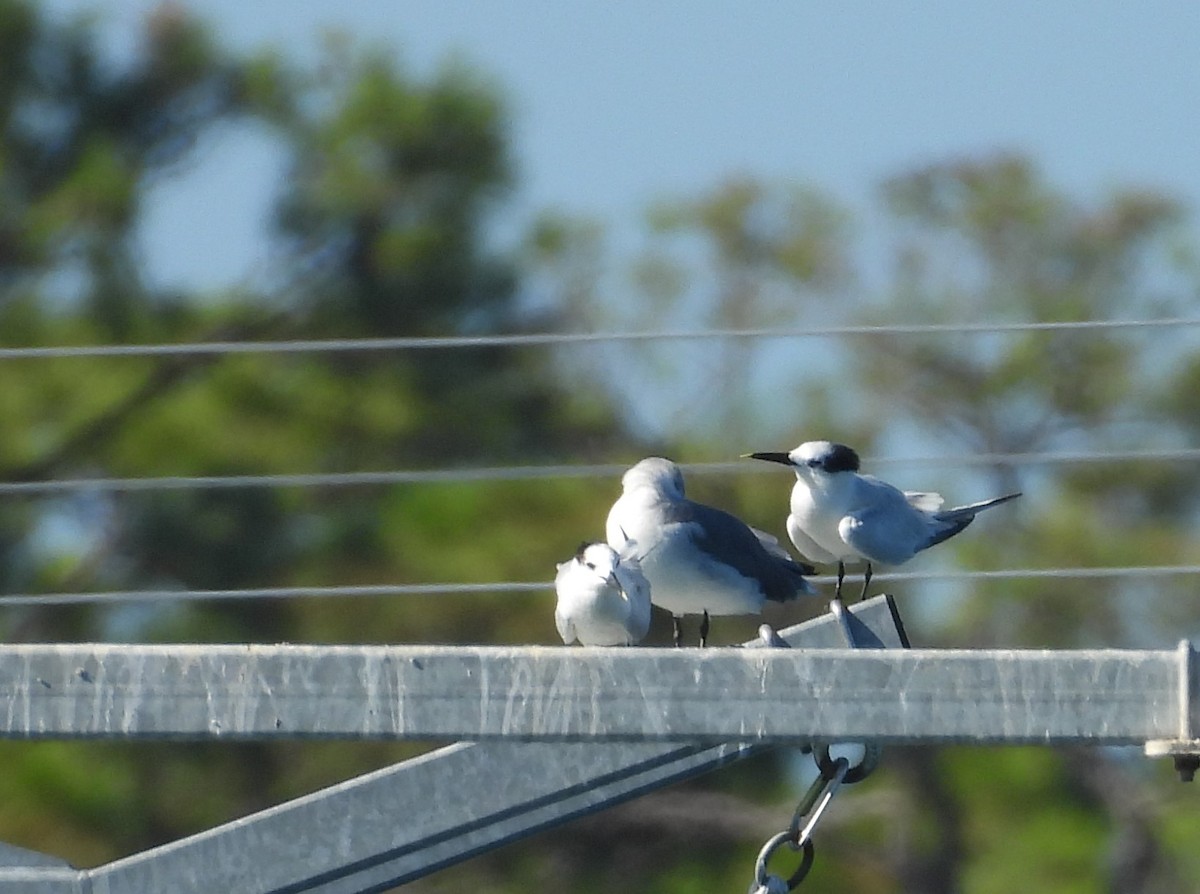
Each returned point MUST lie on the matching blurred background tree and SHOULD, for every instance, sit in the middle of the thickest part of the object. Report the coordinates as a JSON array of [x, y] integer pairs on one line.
[[391, 183], [383, 227]]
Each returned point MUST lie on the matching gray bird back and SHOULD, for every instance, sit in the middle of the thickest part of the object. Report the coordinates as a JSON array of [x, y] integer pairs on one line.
[[728, 539]]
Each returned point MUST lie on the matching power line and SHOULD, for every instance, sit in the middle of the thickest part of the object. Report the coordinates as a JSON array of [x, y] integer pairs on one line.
[[524, 587], [119, 596], [331, 479], [531, 473], [535, 339]]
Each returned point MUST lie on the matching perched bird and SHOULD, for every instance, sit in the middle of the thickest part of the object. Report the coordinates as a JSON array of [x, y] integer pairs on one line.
[[699, 560], [603, 597], [838, 515]]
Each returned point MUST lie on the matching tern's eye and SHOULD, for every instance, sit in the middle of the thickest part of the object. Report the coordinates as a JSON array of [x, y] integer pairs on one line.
[[591, 565]]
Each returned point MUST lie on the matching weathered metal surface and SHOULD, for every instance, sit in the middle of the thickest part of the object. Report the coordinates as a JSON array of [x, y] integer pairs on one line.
[[559, 694], [405, 821], [402, 822]]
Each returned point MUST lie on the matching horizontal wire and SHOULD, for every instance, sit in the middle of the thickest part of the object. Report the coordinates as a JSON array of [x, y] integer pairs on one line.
[[530, 473], [121, 596], [1090, 572], [531, 339], [330, 479], [113, 596]]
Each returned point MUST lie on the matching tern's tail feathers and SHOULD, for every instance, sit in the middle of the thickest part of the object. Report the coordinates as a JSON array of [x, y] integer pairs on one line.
[[797, 584], [793, 570], [952, 521], [972, 509], [772, 545]]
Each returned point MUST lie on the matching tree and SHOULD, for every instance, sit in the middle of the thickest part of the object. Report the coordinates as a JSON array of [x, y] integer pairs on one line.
[[384, 230], [745, 255], [385, 216], [989, 241]]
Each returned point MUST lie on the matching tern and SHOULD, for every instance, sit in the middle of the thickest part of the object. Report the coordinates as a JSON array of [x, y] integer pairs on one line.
[[603, 597], [838, 515], [699, 560]]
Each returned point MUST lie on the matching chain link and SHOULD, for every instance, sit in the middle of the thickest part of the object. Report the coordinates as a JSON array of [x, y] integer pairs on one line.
[[767, 883], [832, 773]]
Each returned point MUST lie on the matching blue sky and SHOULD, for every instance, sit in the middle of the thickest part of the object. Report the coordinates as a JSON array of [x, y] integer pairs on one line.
[[617, 104]]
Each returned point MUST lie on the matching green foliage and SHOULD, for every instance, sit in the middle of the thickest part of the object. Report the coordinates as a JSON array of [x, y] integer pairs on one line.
[[383, 223], [390, 184], [386, 212]]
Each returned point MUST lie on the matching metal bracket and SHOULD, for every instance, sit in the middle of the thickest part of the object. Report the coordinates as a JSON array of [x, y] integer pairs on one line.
[[1185, 751]]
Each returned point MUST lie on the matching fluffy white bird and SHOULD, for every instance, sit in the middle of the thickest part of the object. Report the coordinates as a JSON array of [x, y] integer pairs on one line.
[[699, 560], [603, 597], [838, 515]]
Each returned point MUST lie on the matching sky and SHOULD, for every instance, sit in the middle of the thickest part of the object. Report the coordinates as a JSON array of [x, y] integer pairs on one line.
[[616, 105]]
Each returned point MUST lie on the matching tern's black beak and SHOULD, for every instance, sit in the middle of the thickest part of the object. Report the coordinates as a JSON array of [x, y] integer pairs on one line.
[[781, 458]]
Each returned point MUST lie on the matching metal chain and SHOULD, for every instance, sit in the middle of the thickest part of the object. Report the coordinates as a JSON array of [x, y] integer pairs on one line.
[[832, 773]]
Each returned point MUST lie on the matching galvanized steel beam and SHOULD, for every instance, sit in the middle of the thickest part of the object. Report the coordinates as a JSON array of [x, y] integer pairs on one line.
[[408, 820], [1100, 697]]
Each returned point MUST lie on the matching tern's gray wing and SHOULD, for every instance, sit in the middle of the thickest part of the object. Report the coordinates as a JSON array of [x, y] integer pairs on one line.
[[730, 541], [887, 534]]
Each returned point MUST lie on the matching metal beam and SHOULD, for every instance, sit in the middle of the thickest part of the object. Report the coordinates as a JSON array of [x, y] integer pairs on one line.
[[1101, 697], [31, 872], [410, 820], [405, 821]]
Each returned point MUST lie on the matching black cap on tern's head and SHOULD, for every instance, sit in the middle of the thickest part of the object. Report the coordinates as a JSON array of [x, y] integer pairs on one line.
[[827, 456], [824, 455], [597, 557]]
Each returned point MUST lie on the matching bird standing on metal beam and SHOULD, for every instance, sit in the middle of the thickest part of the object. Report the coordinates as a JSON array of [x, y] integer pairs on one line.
[[699, 560], [603, 597], [838, 515]]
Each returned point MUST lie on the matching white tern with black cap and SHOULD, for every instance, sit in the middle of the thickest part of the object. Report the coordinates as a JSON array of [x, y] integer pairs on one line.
[[838, 515]]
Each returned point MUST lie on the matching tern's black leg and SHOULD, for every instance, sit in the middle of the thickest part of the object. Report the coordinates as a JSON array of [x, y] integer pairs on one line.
[[704, 631], [837, 593], [866, 580], [677, 626]]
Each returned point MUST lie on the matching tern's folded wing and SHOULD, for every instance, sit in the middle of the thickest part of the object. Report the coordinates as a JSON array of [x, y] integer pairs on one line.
[[883, 536]]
